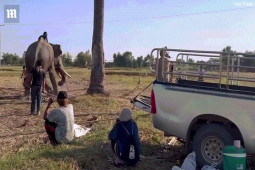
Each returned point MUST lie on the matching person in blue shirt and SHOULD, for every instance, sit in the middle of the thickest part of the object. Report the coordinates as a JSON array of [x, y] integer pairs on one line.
[[124, 131]]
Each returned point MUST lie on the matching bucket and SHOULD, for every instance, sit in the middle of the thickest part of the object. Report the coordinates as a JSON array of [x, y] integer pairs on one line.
[[234, 158]]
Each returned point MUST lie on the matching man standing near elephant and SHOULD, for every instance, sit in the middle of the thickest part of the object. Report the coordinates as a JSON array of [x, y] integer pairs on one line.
[[38, 85]]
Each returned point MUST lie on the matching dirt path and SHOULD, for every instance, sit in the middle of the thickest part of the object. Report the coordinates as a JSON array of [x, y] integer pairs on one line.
[[17, 126]]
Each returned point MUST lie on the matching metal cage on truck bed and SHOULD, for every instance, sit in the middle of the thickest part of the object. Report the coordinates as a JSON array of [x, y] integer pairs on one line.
[[227, 72], [224, 70]]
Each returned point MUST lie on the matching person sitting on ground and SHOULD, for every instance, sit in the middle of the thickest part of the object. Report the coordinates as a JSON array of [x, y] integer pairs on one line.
[[59, 123], [125, 140], [44, 36], [38, 86]]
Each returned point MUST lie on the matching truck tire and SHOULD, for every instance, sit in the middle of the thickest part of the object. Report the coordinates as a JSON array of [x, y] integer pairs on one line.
[[208, 144]]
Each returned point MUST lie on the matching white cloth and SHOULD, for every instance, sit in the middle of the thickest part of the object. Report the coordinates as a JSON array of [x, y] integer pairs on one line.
[[79, 131], [189, 162]]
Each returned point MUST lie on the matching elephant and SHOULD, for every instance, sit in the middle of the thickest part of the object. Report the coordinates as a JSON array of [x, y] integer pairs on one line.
[[51, 57]]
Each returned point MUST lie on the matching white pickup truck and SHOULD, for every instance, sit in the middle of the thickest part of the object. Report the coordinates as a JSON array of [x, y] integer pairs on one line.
[[207, 114]]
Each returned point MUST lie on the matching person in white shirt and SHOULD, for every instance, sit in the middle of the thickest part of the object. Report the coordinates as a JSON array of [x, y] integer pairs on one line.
[[59, 123]]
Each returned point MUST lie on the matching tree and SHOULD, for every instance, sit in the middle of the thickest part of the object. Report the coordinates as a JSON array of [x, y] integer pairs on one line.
[[134, 64], [247, 61], [128, 59], [11, 59], [67, 59], [190, 60], [88, 58], [124, 60], [97, 82], [117, 59], [140, 61], [146, 61], [83, 59], [227, 50]]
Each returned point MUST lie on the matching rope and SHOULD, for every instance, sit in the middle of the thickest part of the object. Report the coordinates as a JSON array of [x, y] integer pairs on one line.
[[138, 84], [143, 90]]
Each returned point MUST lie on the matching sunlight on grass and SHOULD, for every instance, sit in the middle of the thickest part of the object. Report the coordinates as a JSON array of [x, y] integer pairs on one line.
[[93, 150]]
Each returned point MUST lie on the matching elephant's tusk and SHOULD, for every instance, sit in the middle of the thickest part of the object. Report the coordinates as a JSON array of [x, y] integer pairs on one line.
[[58, 73], [67, 74]]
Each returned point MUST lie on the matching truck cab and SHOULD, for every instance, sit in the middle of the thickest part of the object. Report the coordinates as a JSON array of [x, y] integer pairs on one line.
[[207, 98]]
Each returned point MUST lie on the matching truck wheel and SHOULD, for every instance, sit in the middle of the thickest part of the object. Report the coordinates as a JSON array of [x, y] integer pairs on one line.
[[208, 144]]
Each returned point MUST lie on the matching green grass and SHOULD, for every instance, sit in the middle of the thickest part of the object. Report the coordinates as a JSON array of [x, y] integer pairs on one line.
[[88, 152], [23, 146], [21, 135]]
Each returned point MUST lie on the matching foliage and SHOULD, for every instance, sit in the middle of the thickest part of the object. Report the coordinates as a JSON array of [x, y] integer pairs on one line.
[[228, 50], [127, 60], [123, 60], [109, 64], [140, 61], [11, 59], [67, 59], [83, 59], [190, 60], [146, 61], [248, 62]]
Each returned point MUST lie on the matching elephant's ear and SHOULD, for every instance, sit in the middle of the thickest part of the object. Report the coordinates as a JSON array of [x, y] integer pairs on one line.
[[57, 50]]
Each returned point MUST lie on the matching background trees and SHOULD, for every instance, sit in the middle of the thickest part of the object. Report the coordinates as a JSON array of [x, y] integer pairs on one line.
[[83, 59], [11, 59], [127, 60], [67, 59]]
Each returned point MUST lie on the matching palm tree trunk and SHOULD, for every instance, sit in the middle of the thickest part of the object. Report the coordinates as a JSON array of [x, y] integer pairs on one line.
[[97, 84]]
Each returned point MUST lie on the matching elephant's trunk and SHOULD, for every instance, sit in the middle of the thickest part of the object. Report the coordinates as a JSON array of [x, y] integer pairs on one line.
[[62, 74]]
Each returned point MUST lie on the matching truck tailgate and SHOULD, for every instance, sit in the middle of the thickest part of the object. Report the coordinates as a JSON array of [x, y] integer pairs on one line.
[[142, 102]]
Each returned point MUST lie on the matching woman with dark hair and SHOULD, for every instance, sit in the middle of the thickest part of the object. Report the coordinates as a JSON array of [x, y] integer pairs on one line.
[[59, 123]]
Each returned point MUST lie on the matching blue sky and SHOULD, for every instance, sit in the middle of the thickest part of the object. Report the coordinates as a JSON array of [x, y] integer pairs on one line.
[[133, 25]]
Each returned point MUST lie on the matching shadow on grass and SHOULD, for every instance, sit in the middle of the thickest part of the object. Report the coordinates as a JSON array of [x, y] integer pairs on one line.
[[99, 155], [10, 97], [7, 69]]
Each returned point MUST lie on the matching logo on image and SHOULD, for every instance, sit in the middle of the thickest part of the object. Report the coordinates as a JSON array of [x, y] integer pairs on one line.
[[11, 13]]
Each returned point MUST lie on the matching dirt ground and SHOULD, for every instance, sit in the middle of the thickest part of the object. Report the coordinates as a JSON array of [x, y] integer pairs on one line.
[[18, 128]]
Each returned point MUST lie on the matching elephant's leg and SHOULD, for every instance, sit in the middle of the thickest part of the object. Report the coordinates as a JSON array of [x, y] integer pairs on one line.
[[27, 93], [47, 86], [26, 84], [53, 81]]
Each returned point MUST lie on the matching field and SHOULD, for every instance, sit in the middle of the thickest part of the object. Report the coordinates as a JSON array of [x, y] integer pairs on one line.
[[24, 142]]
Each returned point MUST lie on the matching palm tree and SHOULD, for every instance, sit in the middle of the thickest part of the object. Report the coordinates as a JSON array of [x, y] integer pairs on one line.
[[97, 82]]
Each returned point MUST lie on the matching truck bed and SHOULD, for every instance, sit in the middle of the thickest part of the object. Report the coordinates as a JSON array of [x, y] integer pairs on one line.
[[143, 102], [232, 90]]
